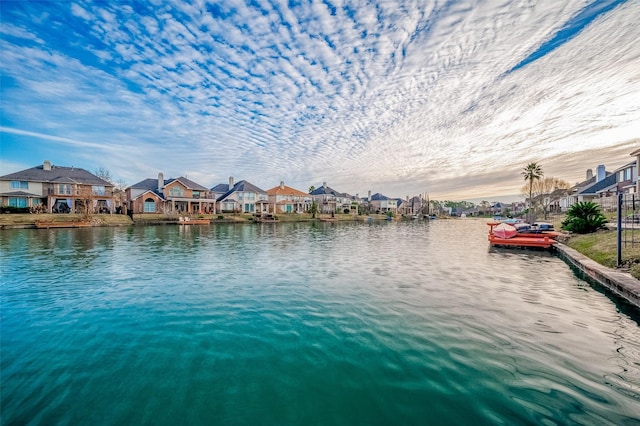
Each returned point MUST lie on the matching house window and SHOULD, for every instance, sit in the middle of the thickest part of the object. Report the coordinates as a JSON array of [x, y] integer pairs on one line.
[[627, 174], [64, 189], [196, 194], [249, 208], [98, 190], [176, 191], [19, 184], [249, 196], [17, 202], [149, 205]]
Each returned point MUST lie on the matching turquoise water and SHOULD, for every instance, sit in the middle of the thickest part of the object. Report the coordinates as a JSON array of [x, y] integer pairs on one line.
[[333, 323]]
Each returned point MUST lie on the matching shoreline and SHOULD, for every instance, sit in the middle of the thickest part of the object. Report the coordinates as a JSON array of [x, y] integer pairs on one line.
[[28, 221], [620, 284]]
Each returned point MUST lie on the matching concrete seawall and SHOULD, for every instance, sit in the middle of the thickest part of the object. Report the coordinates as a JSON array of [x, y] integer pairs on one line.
[[619, 283]]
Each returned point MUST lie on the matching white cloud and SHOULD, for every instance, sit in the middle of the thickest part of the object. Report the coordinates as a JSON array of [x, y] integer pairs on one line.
[[389, 96], [80, 12]]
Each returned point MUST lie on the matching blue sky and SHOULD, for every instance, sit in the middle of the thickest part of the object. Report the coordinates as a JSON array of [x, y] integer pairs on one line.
[[452, 98]]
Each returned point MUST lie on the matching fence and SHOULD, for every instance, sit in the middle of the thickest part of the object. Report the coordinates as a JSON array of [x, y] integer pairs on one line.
[[628, 223], [622, 212]]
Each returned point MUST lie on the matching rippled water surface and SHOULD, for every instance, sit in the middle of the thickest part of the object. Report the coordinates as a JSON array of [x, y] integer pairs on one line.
[[333, 323]]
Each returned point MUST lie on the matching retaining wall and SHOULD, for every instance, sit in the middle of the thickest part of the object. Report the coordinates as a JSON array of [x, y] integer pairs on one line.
[[619, 283]]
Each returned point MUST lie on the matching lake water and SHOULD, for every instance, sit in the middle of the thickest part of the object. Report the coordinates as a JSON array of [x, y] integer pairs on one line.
[[330, 323]]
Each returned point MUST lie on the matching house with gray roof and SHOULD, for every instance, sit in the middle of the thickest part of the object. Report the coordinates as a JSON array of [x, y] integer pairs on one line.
[[575, 193], [175, 195], [627, 178], [622, 180], [331, 201], [383, 204], [636, 153], [604, 185], [242, 197], [57, 189]]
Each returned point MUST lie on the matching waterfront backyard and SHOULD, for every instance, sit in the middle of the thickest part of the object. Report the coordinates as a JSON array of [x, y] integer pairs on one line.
[[291, 323]]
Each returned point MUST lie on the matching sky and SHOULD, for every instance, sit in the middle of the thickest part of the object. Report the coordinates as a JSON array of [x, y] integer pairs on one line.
[[450, 98]]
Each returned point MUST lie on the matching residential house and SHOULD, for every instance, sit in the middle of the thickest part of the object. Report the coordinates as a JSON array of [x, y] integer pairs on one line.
[[243, 197], [473, 211], [627, 178], [636, 153], [604, 186], [383, 204], [412, 205], [552, 202], [284, 199], [497, 208], [331, 201], [575, 193], [179, 195], [221, 189], [57, 189]]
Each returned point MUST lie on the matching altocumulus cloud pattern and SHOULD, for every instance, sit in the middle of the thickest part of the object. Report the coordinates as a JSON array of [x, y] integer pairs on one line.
[[401, 97]]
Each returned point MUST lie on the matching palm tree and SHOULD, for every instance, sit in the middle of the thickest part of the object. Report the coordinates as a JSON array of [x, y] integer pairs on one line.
[[532, 172]]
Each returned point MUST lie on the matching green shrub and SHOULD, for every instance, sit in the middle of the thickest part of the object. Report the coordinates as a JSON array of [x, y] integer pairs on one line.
[[584, 218], [220, 217]]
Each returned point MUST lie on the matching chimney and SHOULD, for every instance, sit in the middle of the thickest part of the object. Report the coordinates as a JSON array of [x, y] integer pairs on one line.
[[160, 182], [369, 196], [231, 182], [324, 184], [281, 185], [46, 165], [589, 174], [600, 173]]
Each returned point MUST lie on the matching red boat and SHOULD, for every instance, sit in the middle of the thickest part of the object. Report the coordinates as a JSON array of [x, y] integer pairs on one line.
[[503, 234]]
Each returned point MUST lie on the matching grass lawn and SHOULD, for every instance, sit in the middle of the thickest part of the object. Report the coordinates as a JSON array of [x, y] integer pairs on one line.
[[29, 219], [601, 246]]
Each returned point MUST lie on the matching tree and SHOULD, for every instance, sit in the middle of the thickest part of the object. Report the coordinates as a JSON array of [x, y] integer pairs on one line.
[[311, 189], [435, 207], [531, 173], [584, 218], [542, 191], [484, 207], [84, 201], [120, 196], [313, 209], [104, 174]]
